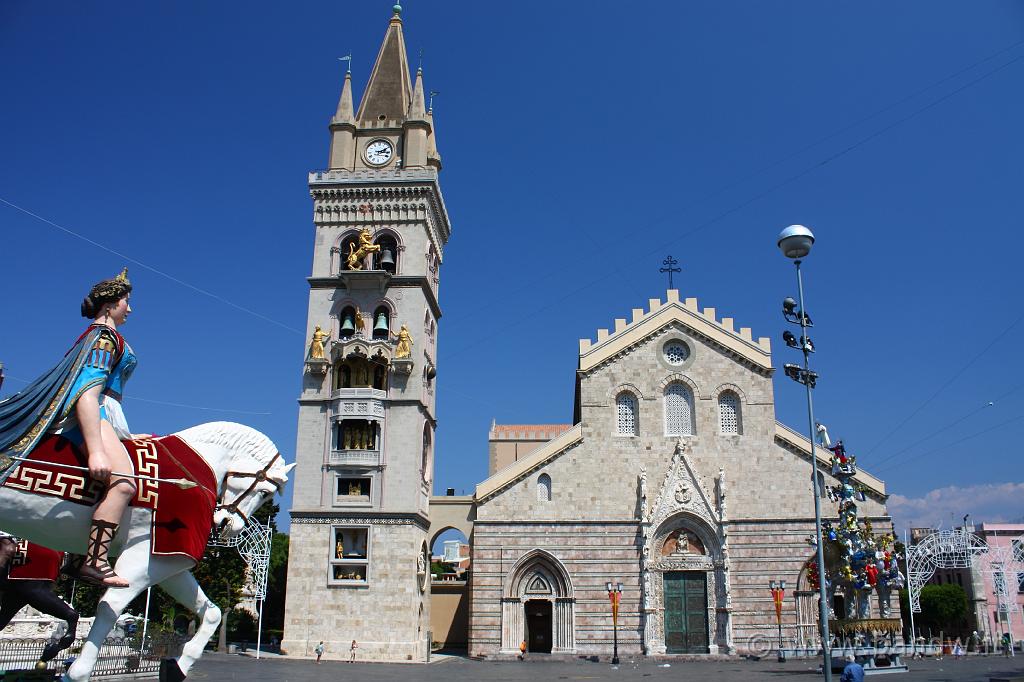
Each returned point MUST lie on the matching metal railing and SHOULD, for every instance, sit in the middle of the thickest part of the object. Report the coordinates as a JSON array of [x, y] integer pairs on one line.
[[116, 656]]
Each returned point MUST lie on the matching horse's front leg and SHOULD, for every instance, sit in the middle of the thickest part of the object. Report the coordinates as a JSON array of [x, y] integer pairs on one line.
[[110, 607], [186, 591], [141, 571]]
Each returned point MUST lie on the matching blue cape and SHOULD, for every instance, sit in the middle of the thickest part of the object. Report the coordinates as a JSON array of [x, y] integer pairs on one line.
[[26, 416]]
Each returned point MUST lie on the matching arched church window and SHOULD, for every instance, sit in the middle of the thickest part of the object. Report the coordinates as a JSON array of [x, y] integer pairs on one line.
[[678, 410], [544, 488], [381, 323], [387, 257], [729, 412], [626, 414]]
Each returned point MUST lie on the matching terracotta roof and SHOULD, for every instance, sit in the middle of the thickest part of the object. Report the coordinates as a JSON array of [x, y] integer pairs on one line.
[[550, 430]]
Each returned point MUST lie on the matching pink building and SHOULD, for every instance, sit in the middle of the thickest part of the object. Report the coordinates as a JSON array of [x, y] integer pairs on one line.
[[1010, 536]]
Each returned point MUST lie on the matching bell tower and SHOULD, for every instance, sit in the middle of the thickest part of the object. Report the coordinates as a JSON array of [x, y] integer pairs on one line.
[[359, 560]]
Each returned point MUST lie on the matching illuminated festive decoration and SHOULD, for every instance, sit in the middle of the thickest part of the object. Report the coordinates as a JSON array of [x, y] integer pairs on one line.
[[857, 562]]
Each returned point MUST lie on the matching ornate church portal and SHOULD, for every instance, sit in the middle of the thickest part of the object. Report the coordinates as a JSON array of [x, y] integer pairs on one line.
[[538, 607], [685, 579]]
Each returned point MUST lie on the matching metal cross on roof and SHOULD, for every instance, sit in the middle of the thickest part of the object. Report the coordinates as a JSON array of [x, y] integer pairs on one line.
[[670, 262]]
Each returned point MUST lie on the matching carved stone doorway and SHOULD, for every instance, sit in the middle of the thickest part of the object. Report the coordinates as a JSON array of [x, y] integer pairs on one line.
[[538, 626], [686, 612]]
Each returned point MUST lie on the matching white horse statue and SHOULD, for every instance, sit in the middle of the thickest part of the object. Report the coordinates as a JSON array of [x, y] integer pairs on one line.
[[249, 470]]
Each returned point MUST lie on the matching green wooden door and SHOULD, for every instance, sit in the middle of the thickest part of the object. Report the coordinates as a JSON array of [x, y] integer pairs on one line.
[[686, 612]]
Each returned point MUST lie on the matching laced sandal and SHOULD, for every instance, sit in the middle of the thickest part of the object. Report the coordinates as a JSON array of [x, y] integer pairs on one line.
[[95, 570]]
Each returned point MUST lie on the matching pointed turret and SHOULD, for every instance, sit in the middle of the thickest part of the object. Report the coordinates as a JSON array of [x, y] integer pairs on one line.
[[345, 112], [417, 128], [388, 94], [343, 129], [418, 108]]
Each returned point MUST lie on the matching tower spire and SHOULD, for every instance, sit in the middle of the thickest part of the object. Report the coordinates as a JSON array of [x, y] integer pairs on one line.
[[388, 92], [418, 109], [343, 129], [344, 114]]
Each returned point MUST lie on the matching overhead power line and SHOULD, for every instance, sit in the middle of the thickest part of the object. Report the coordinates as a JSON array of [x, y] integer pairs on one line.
[[145, 266]]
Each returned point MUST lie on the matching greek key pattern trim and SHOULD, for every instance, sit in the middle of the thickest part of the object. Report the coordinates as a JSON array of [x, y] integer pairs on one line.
[[146, 464], [54, 483]]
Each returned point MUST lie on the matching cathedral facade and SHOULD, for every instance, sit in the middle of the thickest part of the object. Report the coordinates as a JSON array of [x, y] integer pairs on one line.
[[675, 484]]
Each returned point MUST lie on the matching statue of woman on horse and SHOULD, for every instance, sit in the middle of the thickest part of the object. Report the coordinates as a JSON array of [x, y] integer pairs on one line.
[[69, 420], [80, 399]]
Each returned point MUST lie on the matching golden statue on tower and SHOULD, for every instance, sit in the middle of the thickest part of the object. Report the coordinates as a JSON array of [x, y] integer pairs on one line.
[[356, 256]]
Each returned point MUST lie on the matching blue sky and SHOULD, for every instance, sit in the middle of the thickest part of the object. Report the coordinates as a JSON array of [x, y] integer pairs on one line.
[[582, 143]]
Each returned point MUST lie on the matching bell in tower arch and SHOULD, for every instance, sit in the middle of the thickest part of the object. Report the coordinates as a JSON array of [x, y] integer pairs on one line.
[[381, 328], [348, 326], [385, 259]]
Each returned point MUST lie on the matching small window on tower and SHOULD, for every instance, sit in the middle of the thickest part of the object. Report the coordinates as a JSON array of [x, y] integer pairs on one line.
[[352, 490], [350, 555]]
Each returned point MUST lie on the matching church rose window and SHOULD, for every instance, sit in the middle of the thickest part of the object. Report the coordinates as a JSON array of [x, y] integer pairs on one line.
[[676, 352], [678, 410], [729, 412], [625, 406]]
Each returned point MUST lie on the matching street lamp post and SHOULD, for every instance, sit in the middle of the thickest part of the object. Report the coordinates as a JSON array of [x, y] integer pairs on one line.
[[614, 596], [795, 242], [778, 595]]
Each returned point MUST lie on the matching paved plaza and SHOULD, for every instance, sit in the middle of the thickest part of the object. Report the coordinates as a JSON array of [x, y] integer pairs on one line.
[[225, 667]]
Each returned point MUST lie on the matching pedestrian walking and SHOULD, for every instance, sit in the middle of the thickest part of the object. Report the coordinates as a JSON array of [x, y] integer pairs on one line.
[[352, 651], [1006, 644], [853, 672], [319, 651], [522, 650], [958, 650]]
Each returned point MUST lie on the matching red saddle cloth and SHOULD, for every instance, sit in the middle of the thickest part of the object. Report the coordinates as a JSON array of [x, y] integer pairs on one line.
[[181, 518], [34, 562]]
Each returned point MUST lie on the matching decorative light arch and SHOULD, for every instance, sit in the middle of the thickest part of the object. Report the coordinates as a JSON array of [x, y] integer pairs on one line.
[[961, 549]]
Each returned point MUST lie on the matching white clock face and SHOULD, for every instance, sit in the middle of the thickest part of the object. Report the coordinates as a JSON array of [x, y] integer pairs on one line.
[[379, 152]]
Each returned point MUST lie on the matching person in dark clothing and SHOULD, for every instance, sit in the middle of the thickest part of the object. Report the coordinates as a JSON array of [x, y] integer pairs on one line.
[[853, 672]]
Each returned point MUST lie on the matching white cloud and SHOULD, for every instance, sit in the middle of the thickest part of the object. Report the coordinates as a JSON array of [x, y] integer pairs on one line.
[[988, 502]]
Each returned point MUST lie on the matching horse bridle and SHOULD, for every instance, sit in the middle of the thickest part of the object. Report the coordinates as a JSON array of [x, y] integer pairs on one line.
[[257, 476]]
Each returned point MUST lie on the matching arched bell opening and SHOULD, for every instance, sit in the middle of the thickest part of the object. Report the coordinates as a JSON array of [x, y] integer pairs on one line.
[[382, 323], [387, 258], [348, 245], [349, 323]]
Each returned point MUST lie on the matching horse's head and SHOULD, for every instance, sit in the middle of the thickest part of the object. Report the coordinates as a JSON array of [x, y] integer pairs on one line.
[[250, 466], [246, 488]]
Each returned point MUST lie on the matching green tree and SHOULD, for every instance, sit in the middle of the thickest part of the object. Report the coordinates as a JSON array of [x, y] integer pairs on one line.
[[943, 608]]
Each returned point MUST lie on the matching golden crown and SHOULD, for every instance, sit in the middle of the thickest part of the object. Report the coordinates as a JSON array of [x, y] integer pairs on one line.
[[112, 288]]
